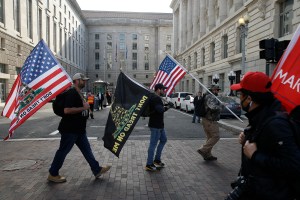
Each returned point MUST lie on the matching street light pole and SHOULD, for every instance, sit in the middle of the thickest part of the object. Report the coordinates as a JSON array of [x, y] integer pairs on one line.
[[231, 77], [243, 25]]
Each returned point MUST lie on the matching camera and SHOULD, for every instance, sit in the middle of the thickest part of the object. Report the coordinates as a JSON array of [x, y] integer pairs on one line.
[[239, 187]]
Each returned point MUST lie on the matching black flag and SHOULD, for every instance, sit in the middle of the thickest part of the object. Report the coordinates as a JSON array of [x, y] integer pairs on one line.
[[131, 100]]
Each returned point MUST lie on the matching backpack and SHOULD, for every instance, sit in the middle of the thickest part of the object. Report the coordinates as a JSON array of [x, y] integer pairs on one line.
[[59, 103], [201, 110]]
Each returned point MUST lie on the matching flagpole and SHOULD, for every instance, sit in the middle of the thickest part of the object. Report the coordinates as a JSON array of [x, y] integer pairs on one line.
[[203, 86]]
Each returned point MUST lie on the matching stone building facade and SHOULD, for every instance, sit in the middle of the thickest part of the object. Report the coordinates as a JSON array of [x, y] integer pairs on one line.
[[208, 38], [132, 42], [23, 23]]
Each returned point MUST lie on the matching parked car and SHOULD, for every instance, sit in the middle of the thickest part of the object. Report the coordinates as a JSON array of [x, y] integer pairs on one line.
[[177, 98], [232, 105], [187, 103]]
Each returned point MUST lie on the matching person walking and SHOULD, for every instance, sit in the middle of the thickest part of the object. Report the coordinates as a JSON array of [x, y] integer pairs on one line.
[[156, 125], [72, 128], [210, 123], [270, 155], [91, 101], [101, 98], [196, 102]]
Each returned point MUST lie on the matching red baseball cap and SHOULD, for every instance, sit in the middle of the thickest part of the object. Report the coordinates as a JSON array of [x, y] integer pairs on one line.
[[254, 82]]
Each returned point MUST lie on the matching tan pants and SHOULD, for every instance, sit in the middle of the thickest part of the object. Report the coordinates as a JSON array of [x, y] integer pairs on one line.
[[211, 129]]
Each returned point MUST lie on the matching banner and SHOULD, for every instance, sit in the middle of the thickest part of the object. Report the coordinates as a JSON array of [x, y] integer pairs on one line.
[[41, 79], [130, 101], [286, 76]]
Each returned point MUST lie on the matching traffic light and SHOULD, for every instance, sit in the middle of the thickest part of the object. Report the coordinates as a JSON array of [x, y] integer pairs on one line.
[[280, 47], [269, 49]]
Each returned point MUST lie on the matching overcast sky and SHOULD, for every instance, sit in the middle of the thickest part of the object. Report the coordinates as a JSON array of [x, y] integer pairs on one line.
[[161, 6]]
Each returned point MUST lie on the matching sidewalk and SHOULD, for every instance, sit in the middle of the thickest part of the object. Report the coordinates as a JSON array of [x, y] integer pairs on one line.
[[24, 170]]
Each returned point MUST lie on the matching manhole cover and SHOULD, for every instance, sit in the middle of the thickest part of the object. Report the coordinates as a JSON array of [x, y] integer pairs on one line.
[[20, 164]]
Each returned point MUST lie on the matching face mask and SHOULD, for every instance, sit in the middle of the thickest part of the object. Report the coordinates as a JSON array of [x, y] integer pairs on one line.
[[246, 108]]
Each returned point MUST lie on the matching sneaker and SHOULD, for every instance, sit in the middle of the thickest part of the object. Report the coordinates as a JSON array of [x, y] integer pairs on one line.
[[102, 171], [159, 164], [56, 179], [151, 168], [210, 158]]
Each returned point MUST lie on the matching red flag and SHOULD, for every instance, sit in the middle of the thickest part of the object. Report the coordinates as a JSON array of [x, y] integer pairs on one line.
[[169, 74], [40, 80], [286, 76]]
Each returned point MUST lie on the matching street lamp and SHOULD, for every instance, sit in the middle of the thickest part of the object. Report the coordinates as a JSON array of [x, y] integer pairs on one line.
[[216, 78], [231, 77], [243, 25]]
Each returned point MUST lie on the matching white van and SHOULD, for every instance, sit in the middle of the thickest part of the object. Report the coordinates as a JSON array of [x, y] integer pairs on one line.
[[177, 98]]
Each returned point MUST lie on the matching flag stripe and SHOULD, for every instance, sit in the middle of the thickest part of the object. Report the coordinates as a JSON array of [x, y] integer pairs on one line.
[[11, 100], [169, 74]]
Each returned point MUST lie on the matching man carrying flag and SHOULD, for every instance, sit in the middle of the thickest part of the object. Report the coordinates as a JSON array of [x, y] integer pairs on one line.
[[41, 79]]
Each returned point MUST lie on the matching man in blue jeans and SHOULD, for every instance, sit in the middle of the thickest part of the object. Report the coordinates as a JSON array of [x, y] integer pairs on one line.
[[72, 128], [156, 125]]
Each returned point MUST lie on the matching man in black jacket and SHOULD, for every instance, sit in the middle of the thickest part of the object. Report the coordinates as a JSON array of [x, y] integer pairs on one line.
[[156, 125], [271, 157], [196, 107]]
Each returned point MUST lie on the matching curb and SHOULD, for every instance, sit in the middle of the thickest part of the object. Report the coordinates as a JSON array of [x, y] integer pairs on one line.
[[235, 129]]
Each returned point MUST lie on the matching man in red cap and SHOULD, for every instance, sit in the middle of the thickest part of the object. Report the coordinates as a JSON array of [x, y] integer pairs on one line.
[[270, 158]]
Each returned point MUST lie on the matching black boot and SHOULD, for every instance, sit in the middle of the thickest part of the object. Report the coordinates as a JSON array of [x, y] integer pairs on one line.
[[92, 115]]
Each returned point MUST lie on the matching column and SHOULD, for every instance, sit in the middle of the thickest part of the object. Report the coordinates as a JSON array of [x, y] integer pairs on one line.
[[183, 24], [196, 15], [222, 10], [189, 22], [202, 19], [211, 14], [175, 30]]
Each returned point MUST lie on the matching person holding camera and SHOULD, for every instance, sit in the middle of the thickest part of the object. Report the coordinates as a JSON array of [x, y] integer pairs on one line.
[[270, 155], [156, 125]]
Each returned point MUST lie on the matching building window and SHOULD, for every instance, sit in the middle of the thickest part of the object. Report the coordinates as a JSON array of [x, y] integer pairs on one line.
[[146, 47], [108, 75], [134, 46], [195, 60], [48, 31], [286, 16], [122, 46], [203, 56], [19, 50], [109, 45], [16, 15], [1, 11], [2, 43], [146, 37], [97, 36], [40, 22], [97, 45], [60, 17], [225, 46], [213, 52], [189, 63], [147, 76], [134, 36], [54, 36], [2, 68], [168, 47], [59, 3], [122, 37], [134, 75], [97, 66], [97, 56], [169, 37], [109, 37], [134, 65], [65, 9], [66, 47], [29, 18], [146, 66], [109, 60], [134, 56], [60, 41], [54, 10]]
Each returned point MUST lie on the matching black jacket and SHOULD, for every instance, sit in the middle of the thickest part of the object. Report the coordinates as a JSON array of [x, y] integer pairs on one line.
[[277, 159], [157, 109]]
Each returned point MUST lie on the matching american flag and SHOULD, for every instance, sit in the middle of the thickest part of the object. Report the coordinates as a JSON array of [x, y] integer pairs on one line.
[[40, 80], [169, 74]]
